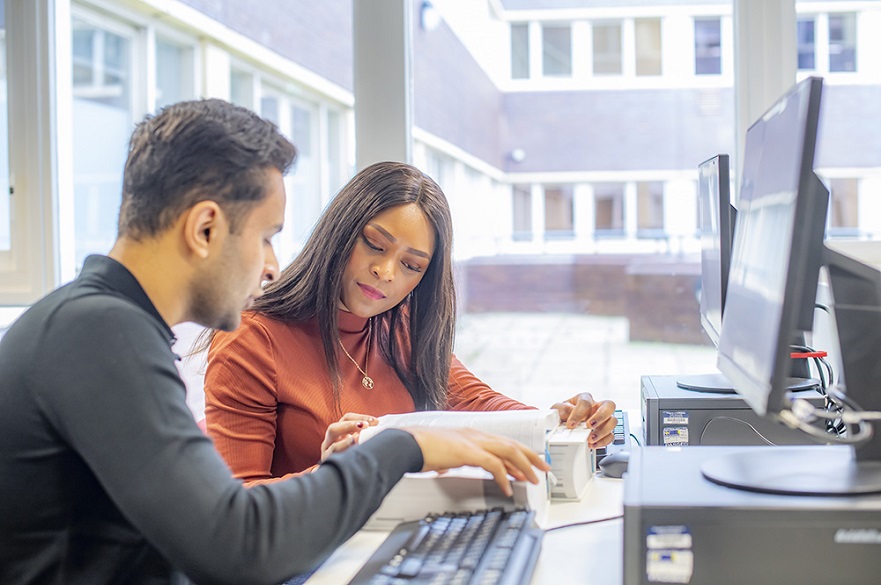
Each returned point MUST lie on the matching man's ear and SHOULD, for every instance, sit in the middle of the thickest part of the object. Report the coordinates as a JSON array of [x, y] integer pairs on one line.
[[204, 223]]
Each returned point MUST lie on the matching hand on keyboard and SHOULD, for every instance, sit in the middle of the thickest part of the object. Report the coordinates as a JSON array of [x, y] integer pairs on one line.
[[445, 448]]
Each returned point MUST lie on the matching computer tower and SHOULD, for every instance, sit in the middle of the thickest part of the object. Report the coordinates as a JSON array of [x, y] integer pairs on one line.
[[682, 528], [672, 416]]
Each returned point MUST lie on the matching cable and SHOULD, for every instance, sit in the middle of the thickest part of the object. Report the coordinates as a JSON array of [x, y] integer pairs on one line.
[[585, 523], [737, 420], [632, 436], [802, 413], [834, 424]]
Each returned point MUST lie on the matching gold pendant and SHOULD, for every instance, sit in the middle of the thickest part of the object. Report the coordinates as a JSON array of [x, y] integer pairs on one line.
[[367, 382]]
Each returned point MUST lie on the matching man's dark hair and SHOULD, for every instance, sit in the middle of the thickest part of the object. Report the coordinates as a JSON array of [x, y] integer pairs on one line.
[[195, 151]]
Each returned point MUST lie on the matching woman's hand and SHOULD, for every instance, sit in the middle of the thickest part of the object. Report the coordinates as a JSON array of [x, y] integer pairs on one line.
[[598, 416], [344, 433]]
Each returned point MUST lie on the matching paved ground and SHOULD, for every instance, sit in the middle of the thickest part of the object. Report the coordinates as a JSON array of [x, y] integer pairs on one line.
[[542, 358]]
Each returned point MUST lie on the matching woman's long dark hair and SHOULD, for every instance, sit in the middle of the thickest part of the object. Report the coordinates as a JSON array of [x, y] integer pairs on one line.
[[310, 286]]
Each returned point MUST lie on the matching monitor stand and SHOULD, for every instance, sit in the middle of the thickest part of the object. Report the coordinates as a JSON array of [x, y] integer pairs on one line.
[[720, 384], [813, 470]]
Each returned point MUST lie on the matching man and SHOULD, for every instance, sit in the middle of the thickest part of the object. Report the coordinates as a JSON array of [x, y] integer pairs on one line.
[[104, 475]]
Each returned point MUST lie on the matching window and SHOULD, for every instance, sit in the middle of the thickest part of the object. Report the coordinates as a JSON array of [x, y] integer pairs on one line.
[[559, 212], [103, 118], [5, 220], [521, 203], [648, 46], [607, 48], [556, 51], [609, 209], [305, 182], [317, 129], [807, 56], [650, 209], [241, 88], [707, 46], [298, 120], [519, 51], [336, 172], [843, 207], [842, 42], [174, 72]]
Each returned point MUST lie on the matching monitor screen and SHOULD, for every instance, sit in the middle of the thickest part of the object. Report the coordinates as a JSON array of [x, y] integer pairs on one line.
[[716, 230], [777, 249]]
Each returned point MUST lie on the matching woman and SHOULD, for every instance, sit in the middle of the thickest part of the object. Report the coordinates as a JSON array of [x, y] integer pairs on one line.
[[362, 321]]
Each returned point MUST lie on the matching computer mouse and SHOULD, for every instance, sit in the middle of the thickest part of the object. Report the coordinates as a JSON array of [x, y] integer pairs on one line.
[[615, 464]]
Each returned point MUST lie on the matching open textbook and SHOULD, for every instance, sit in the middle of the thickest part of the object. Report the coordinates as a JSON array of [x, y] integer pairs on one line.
[[465, 488]]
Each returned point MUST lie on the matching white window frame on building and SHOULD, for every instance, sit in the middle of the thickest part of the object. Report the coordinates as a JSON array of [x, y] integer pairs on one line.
[[824, 47]]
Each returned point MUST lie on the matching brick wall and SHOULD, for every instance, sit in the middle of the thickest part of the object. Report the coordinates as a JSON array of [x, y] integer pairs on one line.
[[657, 294]]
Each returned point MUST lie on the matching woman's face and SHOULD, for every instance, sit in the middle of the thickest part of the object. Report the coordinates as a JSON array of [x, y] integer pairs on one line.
[[390, 257]]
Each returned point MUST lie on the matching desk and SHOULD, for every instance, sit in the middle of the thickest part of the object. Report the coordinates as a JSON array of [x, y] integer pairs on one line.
[[593, 552]]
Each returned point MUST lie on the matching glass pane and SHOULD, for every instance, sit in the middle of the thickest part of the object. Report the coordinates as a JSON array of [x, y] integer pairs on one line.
[[102, 124], [650, 208], [335, 172], [607, 48], [558, 212], [806, 49], [83, 49], [707, 46], [269, 110], [557, 51], [305, 192], [519, 51], [842, 42], [174, 73], [521, 205], [844, 207], [648, 46], [5, 220], [241, 88], [609, 208]]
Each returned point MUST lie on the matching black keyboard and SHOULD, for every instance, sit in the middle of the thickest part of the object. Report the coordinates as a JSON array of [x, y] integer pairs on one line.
[[484, 547], [621, 442]]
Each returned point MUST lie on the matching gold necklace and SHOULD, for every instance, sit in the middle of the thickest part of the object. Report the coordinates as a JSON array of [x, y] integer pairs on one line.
[[366, 381]]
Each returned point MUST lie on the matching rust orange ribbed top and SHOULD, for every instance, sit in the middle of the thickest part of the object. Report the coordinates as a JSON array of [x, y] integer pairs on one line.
[[268, 396]]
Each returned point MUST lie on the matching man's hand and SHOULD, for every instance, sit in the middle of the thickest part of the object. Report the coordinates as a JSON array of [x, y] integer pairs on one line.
[[598, 416], [344, 433], [444, 448]]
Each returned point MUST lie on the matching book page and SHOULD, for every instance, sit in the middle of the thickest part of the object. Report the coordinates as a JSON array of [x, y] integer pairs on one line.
[[530, 427]]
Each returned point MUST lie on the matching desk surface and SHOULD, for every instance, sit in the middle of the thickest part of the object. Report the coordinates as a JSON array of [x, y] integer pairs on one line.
[[594, 552]]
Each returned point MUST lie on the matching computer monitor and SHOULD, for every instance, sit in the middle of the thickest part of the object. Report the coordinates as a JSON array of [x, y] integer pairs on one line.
[[717, 220], [716, 216], [777, 251], [776, 258]]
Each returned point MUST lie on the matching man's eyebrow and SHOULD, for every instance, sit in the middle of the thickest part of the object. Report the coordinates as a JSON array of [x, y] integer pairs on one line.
[[393, 239]]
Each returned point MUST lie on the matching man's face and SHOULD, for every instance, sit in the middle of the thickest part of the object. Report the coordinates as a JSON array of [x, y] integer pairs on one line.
[[230, 282], [388, 261]]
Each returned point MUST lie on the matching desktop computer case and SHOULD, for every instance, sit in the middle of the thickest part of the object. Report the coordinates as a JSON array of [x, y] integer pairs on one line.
[[681, 528], [674, 417]]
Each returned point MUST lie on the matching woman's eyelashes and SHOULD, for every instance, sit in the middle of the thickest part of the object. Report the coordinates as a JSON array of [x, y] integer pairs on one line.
[[376, 247], [371, 245]]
